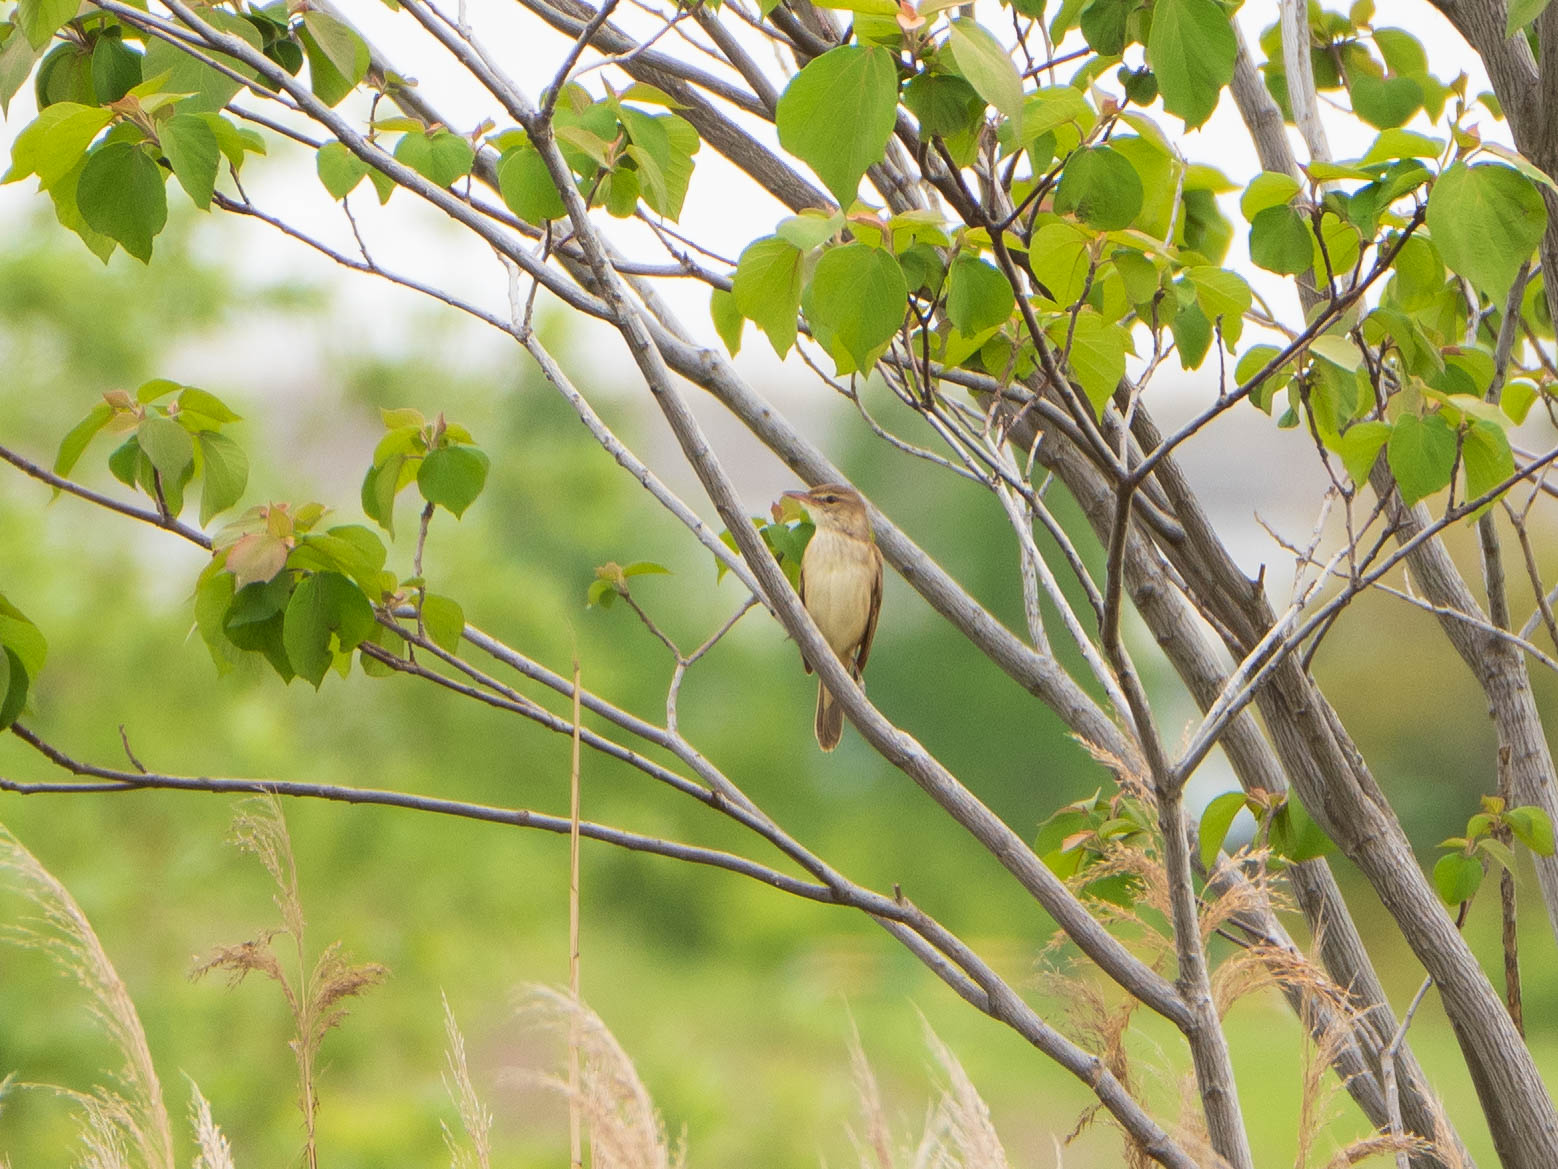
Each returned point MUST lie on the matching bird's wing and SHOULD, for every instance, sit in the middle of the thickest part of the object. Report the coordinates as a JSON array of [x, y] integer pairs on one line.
[[864, 650], [801, 588]]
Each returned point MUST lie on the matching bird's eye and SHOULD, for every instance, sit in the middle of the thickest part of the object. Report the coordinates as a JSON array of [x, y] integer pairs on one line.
[[830, 499]]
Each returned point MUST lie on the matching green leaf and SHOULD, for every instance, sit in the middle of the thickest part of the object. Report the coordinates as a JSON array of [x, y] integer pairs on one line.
[[444, 621], [1101, 188], [1267, 189], [1360, 447], [350, 549], [16, 61], [1522, 13], [677, 176], [767, 289], [1222, 295], [120, 194], [325, 608], [158, 387], [213, 598], [193, 400], [1395, 143], [1294, 834], [453, 477], [1532, 827], [944, 104], [21, 636], [728, 321], [1280, 241], [526, 186], [53, 143], [646, 568], [1486, 221], [1517, 399], [224, 473], [1457, 878], [602, 593], [167, 444], [1060, 259], [837, 113], [116, 69], [339, 169], [988, 67], [13, 687], [1421, 452], [1097, 357], [379, 488], [440, 157], [74, 443], [978, 296], [1384, 102], [1103, 25], [39, 20], [1191, 49], [190, 144], [1192, 335], [1486, 456], [210, 89], [858, 294], [124, 460], [255, 619], [811, 228], [337, 57], [1215, 822]]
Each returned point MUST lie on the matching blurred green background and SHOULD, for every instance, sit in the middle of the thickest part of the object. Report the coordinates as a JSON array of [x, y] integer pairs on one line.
[[736, 1002]]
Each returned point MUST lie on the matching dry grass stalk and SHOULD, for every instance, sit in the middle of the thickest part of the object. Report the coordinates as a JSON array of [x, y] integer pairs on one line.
[[315, 999], [625, 1131], [475, 1152], [126, 1125]]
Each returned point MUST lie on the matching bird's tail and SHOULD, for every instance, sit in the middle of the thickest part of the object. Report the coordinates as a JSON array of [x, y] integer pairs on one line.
[[830, 719]]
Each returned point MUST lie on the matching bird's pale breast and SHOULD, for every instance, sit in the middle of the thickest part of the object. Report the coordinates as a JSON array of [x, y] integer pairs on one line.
[[839, 575]]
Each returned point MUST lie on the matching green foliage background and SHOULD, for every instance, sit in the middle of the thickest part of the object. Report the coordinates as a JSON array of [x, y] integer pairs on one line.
[[735, 1001]]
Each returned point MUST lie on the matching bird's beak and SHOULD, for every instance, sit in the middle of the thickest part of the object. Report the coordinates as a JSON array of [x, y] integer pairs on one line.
[[796, 494]]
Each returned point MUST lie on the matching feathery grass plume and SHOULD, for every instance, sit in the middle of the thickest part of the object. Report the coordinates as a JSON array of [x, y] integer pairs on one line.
[[126, 1124], [313, 995], [876, 1147], [625, 1130], [1330, 1018], [958, 1133], [213, 1150], [969, 1139], [475, 1152], [1244, 888]]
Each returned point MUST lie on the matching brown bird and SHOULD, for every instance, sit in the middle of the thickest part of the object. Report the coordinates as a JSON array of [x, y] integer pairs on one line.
[[841, 587]]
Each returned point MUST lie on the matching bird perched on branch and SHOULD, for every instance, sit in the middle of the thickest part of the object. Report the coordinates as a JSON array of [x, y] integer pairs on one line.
[[841, 586]]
